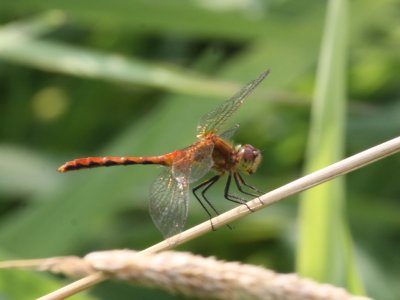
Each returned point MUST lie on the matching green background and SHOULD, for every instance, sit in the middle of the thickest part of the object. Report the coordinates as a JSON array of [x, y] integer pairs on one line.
[[97, 78]]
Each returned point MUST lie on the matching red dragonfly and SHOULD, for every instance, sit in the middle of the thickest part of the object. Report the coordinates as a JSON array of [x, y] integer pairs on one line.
[[169, 193]]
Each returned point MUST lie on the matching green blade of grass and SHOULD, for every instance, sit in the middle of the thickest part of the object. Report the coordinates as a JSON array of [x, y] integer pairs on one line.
[[325, 251], [31, 27], [55, 57], [20, 44]]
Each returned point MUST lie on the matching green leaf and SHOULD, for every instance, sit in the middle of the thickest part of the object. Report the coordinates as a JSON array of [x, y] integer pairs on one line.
[[325, 250]]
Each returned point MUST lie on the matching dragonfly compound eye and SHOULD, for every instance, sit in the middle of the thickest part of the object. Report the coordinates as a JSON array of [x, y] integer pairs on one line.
[[249, 158]]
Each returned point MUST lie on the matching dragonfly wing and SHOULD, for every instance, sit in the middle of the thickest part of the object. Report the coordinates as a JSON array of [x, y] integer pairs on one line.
[[169, 200], [228, 134], [194, 162], [212, 121]]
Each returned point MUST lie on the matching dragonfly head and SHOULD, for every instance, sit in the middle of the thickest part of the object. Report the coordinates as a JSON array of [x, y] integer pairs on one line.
[[249, 158]]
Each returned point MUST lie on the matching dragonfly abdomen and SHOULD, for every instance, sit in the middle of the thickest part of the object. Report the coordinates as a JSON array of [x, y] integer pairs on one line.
[[108, 161]]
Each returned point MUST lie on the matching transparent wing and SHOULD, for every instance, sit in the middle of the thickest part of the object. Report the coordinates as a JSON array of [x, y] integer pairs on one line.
[[228, 134], [169, 203], [194, 162], [212, 121], [169, 193]]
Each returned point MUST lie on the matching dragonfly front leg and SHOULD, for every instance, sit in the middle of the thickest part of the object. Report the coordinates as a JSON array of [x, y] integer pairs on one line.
[[234, 198], [240, 182]]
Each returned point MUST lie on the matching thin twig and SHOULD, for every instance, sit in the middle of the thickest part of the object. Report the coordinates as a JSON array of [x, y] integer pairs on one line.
[[192, 275], [328, 173]]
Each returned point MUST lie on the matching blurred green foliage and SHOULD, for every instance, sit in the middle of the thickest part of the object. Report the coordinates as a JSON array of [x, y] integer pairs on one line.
[[97, 78]]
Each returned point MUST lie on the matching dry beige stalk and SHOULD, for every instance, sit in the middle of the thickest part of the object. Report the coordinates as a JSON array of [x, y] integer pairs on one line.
[[191, 275]]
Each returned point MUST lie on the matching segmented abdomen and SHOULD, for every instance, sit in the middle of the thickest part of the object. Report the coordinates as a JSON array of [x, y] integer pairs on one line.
[[93, 162]]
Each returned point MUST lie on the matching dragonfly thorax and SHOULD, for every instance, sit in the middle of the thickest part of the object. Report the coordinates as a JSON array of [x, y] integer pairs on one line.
[[248, 158]]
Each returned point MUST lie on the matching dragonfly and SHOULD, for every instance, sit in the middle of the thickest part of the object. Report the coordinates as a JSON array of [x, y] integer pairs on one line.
[[213, 150]]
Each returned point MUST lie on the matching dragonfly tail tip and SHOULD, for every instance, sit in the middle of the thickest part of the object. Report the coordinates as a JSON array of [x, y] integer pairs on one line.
[[61, 169]]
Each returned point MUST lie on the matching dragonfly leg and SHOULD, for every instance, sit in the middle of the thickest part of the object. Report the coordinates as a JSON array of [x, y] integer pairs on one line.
[[206, 185], [240, 181], [234, 198]]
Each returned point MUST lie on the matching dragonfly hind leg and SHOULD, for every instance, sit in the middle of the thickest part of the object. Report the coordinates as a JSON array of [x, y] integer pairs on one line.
[[206, 185]]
